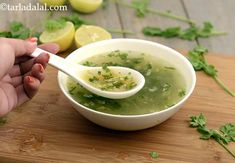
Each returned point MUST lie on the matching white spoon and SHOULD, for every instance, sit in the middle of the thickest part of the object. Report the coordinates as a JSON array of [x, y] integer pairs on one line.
[[76, 71]]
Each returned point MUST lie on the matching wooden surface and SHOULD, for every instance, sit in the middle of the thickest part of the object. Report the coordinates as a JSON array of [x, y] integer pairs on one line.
[[219, 12], [48, 129]]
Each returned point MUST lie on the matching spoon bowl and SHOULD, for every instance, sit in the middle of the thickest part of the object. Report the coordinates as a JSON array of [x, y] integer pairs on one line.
[[77, 71]]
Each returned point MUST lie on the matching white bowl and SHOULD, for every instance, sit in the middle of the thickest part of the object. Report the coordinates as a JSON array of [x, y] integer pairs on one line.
[[131, 122]]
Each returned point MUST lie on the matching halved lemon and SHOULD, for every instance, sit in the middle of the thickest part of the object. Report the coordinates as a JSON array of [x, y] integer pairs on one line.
[[86, 6], [87, 34], [63, 37]]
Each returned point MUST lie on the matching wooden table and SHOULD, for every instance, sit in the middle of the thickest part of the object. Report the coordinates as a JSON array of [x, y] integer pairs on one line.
[[48, 129]]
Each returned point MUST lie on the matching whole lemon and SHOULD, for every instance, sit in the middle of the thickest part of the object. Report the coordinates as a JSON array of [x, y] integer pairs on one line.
[[86, 6]]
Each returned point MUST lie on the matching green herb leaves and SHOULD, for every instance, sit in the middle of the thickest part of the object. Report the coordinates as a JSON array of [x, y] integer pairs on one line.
[[198, 121], [75, 19], [190, 33], [154, 154], [228, 131], [17, 30], [226, 134], [197, 59], [53, 25], [141, 7]]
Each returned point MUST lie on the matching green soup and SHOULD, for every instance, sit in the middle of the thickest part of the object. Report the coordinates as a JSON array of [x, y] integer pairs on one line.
[[164, 85]]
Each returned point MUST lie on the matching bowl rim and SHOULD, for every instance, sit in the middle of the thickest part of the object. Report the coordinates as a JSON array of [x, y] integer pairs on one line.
[[100, 43]]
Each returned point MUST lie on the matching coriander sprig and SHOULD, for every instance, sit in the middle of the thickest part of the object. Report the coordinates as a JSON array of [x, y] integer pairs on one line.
[[141, 8], [225, 135], [197, 59], [191, 33], [18, 30]]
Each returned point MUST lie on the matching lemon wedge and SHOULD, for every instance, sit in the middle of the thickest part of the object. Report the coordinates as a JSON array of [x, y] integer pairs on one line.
[[87, 34], [63, 37], [86, 6]]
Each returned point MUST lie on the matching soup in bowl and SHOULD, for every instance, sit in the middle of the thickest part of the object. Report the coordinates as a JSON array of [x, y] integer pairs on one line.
[[169, 81]]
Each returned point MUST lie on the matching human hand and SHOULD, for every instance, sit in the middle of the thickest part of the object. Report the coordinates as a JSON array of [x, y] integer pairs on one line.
[[20, 75]]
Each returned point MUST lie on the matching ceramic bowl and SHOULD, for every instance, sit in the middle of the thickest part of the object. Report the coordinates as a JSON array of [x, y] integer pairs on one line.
[[131, 122]]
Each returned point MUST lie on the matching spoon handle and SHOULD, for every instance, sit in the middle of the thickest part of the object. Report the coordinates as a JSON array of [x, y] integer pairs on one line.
[[59, 63]]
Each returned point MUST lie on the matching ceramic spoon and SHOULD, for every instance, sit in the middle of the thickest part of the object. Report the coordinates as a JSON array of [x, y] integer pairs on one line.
[[76, 70]]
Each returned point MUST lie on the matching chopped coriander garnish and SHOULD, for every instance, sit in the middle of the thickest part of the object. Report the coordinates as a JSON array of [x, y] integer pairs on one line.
[[154, 154], [111, 81], [197, 59], [182, 93], [88, 63], [166, 87], [71, 90], [223, 137], [169, 68]]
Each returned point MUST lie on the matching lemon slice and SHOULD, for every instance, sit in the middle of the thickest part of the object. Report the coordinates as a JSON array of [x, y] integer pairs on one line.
[[86, 6], [63, 37], [87, 34]]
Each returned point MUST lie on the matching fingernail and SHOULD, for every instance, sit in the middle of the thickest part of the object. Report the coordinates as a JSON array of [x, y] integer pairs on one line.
[[29, 79], [32, 39], [41, 69], [47, 56]]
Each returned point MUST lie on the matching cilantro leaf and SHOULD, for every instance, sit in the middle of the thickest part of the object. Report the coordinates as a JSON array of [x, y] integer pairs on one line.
[[192, 33], [198, 121], [154, 154], [5, 34], [226, 134], [199, 63], [18, 30], [141, 7], [182, 93], [152, 31], [228, 131], [205, 133], [75, 19]]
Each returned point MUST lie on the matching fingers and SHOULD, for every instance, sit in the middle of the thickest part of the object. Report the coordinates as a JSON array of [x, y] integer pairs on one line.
[[25, 64], [51, 47], [37, 72], [20, 47], [28, 89], [31, 86], [41, 59], [25, 67], [31, 83]]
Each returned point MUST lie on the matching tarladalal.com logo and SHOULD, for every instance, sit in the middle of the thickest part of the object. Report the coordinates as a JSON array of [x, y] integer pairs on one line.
[[31, 7]]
